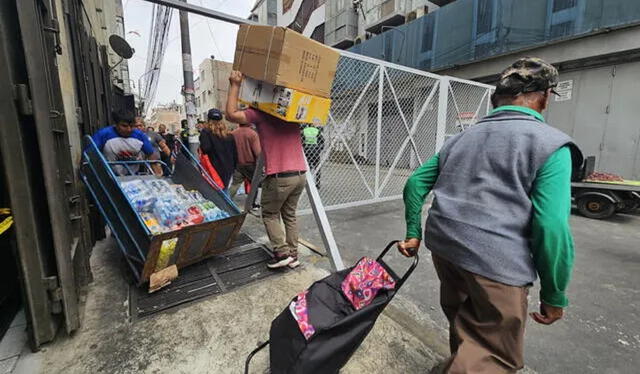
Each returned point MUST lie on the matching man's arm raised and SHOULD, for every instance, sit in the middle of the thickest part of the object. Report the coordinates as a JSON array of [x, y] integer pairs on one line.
[[234, 114]]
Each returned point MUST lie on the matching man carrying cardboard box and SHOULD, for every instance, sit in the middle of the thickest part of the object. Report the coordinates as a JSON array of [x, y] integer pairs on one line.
[[285, 170]]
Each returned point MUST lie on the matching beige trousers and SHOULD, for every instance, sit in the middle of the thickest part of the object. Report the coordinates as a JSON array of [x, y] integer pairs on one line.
[[279, 204], [242, 172]]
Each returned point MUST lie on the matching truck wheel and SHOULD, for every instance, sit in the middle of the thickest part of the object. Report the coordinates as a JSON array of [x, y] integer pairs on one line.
[[596, 207]]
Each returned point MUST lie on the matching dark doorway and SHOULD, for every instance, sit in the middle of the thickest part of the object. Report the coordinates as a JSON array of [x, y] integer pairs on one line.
[[9, 282]]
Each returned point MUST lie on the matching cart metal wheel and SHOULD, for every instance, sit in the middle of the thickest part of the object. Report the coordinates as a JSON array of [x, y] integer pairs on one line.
[[597, 207]]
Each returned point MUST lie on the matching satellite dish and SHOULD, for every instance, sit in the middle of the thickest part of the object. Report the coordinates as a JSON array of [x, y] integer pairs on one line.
[[120, 46]]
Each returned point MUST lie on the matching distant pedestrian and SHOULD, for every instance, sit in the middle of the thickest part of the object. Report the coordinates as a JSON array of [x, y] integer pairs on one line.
[[170, 140], [184, 133], [218, 144], [248, 148], [500, 215], [313, 143], [285, 174], [200, 125], [158, 143], [168, 137]]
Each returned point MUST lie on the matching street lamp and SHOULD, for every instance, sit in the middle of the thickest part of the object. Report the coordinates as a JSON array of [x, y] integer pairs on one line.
[[139, 87]]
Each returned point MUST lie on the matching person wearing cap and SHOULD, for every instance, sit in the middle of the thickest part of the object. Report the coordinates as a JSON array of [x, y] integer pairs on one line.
[[285, 170], [499, 219], [217, 143]]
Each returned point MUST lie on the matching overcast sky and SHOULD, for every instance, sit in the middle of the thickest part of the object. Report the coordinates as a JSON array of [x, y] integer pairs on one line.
[[208, 37]]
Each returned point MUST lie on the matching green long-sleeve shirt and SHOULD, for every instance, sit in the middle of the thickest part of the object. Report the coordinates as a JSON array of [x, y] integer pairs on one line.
[[552, 246]]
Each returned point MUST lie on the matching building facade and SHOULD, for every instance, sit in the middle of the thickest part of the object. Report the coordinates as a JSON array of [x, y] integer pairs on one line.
[[107, 18], [265, 12], [340, 23], [212, 86], [595, 44], [65, 82], [169, 115], [305, 16]]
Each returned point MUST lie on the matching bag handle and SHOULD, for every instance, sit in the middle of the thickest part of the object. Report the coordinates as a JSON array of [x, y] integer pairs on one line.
[[413, 266], [258, 349]]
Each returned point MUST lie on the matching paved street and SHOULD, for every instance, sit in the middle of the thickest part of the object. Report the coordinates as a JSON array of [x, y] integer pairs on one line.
[[601, 330], [335, 191]]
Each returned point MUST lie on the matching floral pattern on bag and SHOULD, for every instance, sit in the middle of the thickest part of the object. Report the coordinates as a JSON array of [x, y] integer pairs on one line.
[[300, 313], [364, 281]]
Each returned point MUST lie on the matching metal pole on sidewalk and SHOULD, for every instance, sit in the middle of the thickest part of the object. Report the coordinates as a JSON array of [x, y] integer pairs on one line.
[[326, 233], [188, 90]]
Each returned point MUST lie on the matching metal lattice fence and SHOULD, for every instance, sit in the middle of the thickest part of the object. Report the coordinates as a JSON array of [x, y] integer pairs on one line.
[[385, 121]]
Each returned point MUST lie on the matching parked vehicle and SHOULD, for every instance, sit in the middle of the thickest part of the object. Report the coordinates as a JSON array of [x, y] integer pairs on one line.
[[602, 199]]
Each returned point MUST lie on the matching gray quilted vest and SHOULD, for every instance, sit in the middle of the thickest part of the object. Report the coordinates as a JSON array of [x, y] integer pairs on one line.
[[481, 214]]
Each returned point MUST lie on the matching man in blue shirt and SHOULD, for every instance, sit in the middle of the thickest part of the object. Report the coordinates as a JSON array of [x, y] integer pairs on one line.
[[124, 142]]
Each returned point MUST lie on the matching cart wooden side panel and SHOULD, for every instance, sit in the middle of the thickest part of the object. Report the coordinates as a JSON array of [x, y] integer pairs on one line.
[[194, 243]]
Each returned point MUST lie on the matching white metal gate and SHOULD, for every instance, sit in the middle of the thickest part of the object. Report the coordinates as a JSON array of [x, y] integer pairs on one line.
[[385, 121]]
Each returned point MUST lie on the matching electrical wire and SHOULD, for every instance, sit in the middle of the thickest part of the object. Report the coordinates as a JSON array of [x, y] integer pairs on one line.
[[215, 44], [159, 32]]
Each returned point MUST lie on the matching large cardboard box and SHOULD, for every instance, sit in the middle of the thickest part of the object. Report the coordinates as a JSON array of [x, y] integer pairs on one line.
[[285, 103], [283, 57]]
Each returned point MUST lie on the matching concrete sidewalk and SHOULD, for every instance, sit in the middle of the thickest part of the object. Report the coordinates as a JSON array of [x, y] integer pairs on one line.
[[214, 335]]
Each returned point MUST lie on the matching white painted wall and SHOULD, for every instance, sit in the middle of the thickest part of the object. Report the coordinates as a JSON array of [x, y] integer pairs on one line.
[[286, 18], [211, 90], [316, 19], [67, 86]]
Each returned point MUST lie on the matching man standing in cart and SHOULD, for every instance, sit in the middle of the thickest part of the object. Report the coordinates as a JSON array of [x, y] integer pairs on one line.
[[124, 142], [285, 170], [500, 215]]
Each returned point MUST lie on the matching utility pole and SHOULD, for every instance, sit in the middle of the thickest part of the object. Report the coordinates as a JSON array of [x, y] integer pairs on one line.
[[188, 89]]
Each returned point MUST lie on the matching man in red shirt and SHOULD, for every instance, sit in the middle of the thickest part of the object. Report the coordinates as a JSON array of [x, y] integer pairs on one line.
[[248, 148], [285, 170]]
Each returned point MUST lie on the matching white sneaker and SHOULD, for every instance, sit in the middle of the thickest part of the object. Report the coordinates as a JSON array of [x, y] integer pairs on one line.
[[279, 262], [295, 263]]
